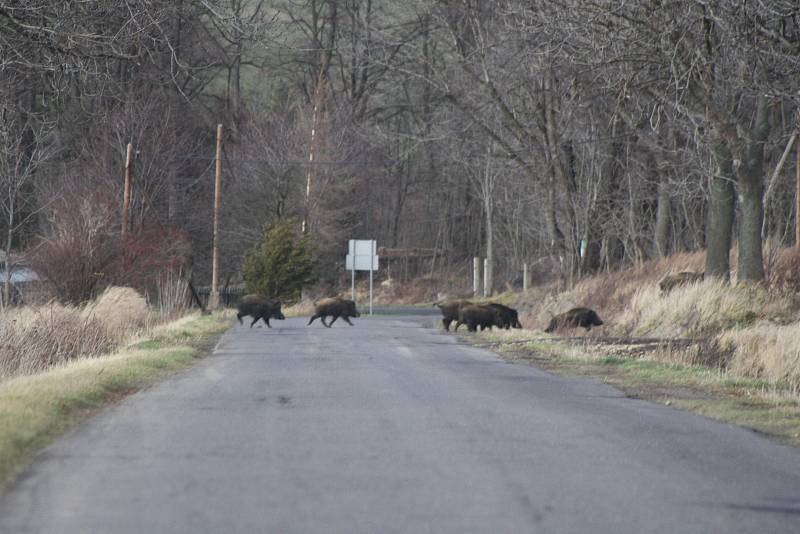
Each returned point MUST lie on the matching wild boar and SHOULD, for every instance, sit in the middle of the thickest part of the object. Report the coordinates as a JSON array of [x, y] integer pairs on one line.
[[335, 307], [671, 281], [473, 316], [259, 307], [508, 316], [573, 318], [449, 309]]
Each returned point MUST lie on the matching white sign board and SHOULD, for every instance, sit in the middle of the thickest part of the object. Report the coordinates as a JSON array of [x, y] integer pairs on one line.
[[364, 253], [362, 256]]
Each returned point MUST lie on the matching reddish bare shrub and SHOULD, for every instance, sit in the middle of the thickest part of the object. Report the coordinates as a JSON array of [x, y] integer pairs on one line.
[[84, 252], [83, 246], [147, 254]]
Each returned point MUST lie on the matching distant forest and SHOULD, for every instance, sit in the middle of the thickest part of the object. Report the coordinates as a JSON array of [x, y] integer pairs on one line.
[[575, 136]]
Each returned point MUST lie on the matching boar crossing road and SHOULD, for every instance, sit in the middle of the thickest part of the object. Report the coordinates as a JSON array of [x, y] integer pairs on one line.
[[389, 427]]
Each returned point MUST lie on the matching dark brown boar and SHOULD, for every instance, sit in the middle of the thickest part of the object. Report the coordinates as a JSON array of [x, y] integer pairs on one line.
[[259, 307], [671, 281], [508, 316], [573, 318], [449, 309], [480, 316], [334, 307]]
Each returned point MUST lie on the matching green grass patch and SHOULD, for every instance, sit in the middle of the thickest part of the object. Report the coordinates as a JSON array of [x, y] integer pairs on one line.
[[148, 345], [36, 409], [753, 403]]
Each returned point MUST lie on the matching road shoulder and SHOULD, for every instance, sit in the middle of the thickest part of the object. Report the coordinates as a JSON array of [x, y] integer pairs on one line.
[[37, 409], [746, 402]]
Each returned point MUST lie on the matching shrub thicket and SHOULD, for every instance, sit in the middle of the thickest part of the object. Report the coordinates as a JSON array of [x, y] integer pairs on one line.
[[282, 264], [83, 252]]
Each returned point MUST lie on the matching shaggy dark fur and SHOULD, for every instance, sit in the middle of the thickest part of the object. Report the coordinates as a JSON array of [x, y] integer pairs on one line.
[[259, 307], [508, 316], [449, 311], [334, 307], [573, 318], [481, 316]]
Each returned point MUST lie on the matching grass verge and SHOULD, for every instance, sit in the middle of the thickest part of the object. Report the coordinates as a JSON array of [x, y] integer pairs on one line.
[[753, 403], [36, 409]]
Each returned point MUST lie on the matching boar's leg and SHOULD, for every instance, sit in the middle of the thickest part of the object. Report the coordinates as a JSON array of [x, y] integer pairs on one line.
[[255, 320], [344, 317], [312, 319], [266, 320], [458, 323], [333, 320], [239, 316], [446, 324]]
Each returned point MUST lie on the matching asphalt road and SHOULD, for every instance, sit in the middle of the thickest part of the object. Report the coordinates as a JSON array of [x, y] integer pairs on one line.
[[388, 427]]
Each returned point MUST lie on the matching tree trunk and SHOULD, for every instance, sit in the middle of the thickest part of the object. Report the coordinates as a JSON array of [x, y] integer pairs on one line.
[[172, 198], [487, 191], [750, 266], [663, 211], [751, 188], [553, 232], [590, 250], [561, 177], [6, 262], [720, 217], [489, 283]]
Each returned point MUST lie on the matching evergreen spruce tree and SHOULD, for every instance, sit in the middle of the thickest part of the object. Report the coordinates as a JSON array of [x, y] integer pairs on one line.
[[281, 264]]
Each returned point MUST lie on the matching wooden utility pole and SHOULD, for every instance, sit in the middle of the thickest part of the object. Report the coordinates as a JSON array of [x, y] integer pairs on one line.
[[213, 299], [126, 194], [310, 173], [319, 97]]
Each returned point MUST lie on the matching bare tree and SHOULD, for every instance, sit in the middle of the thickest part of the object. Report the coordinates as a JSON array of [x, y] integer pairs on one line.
[[24, 148]]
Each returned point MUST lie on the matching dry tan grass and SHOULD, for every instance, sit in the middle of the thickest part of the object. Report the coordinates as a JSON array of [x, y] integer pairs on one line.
[[122, 310], [36, 338], [767, 351], [173, 293], [746, 330], [609, 294], [699, 310]]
